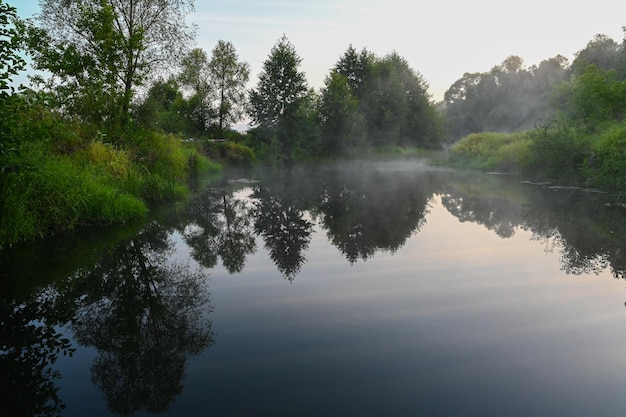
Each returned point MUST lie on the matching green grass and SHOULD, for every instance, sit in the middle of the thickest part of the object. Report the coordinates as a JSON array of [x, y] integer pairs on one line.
[[606, 167], [95, 183], [51, 193], [492, 151]]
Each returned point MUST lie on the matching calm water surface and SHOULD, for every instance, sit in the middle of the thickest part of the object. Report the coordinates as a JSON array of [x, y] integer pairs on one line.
[[360, 289]]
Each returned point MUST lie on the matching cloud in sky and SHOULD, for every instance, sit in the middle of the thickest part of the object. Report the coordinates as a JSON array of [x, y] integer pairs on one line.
[[440, 39]]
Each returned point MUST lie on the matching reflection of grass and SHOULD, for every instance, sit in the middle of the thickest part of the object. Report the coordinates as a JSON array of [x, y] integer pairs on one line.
[[486, 186]]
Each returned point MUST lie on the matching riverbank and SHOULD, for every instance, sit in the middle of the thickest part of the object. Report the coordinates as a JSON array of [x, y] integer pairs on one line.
[[58, 184], [556, 151]]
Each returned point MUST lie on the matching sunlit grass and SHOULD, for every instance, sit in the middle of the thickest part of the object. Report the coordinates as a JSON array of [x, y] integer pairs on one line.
[[95, 183], [490, 150]]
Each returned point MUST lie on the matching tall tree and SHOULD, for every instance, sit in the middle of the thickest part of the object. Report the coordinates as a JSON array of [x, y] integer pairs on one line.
[[10, 37], [109, 45], [601, 51], [277, 102], [196, 76], [11, 63], [355, 66], [341, 123], [165, 108], [228, 81]]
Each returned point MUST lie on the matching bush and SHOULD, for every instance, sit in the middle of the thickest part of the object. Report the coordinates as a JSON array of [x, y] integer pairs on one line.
[[492, 150], [232, 153], [558, 150], [606, 167]]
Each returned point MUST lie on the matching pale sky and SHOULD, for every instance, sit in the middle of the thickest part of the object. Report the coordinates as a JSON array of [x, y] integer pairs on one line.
[[440, 39]]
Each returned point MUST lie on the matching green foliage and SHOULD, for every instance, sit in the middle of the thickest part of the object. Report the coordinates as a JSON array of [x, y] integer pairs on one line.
[[491, 150], [282, 106], [281, 87], [606, 167], [231, 153], [60, 179], [11, 63], [558, 150], [343, 127], [164, 163], [601, 51], [507, 98], [195, 76], [371, 101], [99, 51], [269, 151], [164, 108], [10, 38], [575, 145], [595, 97], [50, 193], [228, 81]]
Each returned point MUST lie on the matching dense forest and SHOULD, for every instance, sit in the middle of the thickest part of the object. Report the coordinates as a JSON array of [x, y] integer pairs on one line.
[[122, 112]]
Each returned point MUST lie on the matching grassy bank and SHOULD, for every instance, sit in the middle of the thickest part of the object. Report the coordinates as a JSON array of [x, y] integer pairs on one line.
[[507, 152], [556, 151], [75, 179]]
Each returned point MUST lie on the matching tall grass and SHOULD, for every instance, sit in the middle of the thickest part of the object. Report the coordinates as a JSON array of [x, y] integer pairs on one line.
[[50, 193], [606, 167], [494, 151], [93, 183]]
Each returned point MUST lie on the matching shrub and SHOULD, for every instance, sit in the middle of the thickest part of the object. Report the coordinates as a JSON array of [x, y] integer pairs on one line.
[[491, 150], [558, 150], [606, 167], [232, 153]]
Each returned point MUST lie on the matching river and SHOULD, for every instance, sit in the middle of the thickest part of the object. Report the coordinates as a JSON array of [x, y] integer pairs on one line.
[[340, 289]]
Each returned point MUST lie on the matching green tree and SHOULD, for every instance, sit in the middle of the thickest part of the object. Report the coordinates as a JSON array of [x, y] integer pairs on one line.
[[276, 104], [229, 77], [165, 108], [508, 98], [99, 51], [341, 123], [601, 51], [594, 97], [355, 66], [376, 101], [11, 63], [396, 105], [196, 77]]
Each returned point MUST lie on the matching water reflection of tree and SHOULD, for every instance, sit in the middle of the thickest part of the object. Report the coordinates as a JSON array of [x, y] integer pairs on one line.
[[145, 315], [284, 229], [497, 214], [366, 214], [30, 345], [587, 235], [220, 227]]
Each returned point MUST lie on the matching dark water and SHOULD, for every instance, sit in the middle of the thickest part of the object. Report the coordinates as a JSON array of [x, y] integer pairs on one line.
[[362, 289]]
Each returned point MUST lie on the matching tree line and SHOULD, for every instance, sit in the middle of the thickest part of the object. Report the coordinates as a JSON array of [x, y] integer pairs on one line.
[[512, 97], [119, 90], [113, 65]]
